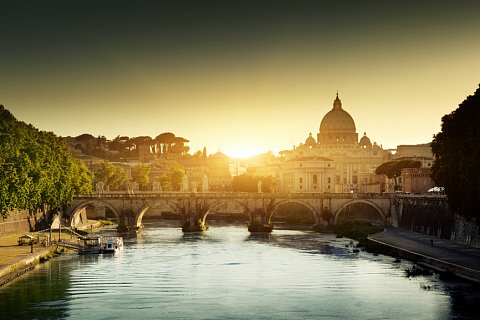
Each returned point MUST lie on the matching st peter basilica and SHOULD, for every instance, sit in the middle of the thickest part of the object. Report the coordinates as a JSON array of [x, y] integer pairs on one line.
[[336, 162]]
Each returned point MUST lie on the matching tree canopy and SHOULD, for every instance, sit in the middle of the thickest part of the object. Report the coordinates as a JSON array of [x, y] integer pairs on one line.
[[172, 179], [394, 168], [36, 168], [114, 177], [249, 183], [457, 155], [141, 175]]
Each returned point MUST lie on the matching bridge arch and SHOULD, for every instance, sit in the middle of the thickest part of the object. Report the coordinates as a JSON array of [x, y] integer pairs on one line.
[[75, 211], [304, 204], [215, 205], [372, 204], [141, 212]]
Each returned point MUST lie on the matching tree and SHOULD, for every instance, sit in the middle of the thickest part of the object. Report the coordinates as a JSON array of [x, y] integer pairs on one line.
[[393, 169], [37, 170], [172, 179], [141, 175], [164, 140], [457, 154], [249, 183], [113, 176]]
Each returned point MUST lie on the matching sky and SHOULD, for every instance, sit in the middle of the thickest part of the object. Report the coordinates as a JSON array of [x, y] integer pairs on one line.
[[240, 77]]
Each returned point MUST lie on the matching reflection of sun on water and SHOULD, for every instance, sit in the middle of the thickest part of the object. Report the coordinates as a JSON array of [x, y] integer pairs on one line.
[[242, 152]]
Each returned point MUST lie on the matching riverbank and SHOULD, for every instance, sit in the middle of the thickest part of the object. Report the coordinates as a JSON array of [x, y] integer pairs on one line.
[[16, 260], [440, 255]]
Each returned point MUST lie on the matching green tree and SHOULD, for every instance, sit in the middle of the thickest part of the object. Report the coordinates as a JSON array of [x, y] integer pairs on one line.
[[141, 175], [113, 176], [172, 179], [457, 155], [37, 170]]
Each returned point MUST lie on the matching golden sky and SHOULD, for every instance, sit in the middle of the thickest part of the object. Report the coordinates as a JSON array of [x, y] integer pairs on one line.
[[238, 76]]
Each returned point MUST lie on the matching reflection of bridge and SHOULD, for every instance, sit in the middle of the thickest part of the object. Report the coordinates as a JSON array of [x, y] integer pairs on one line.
[[326, 208]]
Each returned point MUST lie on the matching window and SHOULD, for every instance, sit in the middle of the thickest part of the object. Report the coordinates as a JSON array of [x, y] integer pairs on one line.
[[314, 178], [329, 180], [300, 187], [300, 180]]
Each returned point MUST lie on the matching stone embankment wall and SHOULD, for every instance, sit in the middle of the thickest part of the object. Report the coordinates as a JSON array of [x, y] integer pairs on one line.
[[466, 232], [21, 221], [434, 218]]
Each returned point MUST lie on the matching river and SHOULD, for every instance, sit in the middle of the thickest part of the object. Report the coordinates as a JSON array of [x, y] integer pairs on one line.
[[226, 273]]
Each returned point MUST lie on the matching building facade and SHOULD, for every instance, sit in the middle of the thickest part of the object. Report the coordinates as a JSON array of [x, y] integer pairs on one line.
[[336, 162]]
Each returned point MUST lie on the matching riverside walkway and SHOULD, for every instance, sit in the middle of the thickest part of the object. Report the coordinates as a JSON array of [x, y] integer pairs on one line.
[[442, 255], [16, 260]]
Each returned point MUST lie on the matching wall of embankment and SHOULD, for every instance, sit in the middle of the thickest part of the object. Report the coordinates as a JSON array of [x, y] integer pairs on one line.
[[14, 270], [441, 266], [20, 221], [433, 217]]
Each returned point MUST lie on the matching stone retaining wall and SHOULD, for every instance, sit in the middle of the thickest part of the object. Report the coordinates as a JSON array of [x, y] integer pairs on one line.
[[429, 262], [435, 219], [20, 222]]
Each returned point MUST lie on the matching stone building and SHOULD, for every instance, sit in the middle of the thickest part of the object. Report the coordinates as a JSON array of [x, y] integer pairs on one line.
[[336, 162], [417, 180]]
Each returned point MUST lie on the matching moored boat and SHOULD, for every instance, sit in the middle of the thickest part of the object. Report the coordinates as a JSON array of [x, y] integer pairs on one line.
[[91, 245], [112, 244], [99, 245]]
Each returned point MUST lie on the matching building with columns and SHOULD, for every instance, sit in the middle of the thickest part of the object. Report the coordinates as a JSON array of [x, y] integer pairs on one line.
[[336, 162]]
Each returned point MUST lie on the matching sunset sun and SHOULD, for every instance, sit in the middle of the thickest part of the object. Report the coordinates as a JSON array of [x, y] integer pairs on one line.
[[243, 151]]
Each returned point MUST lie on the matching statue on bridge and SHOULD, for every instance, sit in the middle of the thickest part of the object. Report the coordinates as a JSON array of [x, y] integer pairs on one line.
[[99, 187]]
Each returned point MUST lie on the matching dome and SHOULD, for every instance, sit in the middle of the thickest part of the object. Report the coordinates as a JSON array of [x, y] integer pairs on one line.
[[365, 141], [337, 119], [310, 141]]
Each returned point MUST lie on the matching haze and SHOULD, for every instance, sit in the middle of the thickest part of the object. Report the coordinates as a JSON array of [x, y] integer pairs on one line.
[[242, 77]]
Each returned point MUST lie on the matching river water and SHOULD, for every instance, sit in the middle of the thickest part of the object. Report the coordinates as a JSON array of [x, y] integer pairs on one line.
[[226, 273]]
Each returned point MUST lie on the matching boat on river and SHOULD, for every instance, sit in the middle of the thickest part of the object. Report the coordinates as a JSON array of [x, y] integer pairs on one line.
[[101, 245], [112, 244]]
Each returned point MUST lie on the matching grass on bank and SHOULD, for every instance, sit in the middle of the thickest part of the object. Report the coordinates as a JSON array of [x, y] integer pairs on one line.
[[357, 230]]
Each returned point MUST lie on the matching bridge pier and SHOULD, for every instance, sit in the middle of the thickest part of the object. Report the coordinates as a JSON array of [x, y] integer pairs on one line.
[[259, 221], [126, 221], [194, 216], [324, 223]]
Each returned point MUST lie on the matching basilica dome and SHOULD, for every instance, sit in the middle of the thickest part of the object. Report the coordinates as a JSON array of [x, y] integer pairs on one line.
[[337, 119], [365, 141], [337, 127], [310, 141]]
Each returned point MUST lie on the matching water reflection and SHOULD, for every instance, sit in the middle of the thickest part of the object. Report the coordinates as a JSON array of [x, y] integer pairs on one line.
[[227, 273]]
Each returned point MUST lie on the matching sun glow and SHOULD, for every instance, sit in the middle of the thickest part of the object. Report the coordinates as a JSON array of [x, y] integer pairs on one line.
[[242, 152]]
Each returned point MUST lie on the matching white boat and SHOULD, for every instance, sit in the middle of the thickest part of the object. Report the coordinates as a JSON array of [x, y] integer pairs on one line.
[[98, 245], [112, 244]]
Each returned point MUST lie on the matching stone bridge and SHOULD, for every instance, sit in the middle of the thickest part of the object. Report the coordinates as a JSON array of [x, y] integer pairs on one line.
[[194, 208]]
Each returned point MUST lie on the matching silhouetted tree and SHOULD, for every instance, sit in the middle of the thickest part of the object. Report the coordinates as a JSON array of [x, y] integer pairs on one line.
[[457, 154], [393, 169], [249, 183]]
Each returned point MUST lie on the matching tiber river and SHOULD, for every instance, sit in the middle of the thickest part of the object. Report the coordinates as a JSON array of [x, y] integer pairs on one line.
[[227, 273]]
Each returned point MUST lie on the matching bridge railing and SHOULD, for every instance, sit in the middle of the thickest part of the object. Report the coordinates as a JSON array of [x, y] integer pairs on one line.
[[253, 195]]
